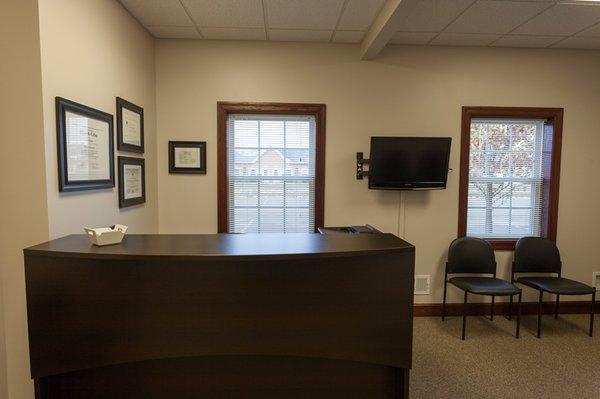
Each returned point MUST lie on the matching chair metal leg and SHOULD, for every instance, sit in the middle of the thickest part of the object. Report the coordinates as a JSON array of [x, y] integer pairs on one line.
[[539, 323], [464, 316], [444, 303], [592, 314], [518, 316], [510, 301], [492, 311], [556, 306]]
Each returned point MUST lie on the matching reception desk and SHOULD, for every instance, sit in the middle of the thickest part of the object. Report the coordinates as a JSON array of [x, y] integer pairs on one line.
[[221, 316]]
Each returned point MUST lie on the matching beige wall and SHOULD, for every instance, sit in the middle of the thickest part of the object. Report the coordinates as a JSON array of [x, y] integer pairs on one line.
[[92, 52], [406, 91], [23, 211]]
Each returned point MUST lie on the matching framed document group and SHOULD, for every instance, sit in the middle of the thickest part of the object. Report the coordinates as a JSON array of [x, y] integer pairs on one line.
[[132, 181], [130, 126], [130, 137], [187, 157], [86, 151], [85, 147]]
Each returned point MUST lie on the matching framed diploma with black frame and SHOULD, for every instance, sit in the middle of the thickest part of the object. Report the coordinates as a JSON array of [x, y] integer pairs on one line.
[[132, 181], [85, 147], [187, 157], [130, 126]]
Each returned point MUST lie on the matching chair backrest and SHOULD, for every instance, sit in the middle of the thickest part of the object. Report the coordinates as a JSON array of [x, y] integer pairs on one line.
[[536, 255], [471, 255]]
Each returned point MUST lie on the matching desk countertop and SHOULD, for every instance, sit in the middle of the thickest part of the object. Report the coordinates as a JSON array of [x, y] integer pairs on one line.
[[276, 246]]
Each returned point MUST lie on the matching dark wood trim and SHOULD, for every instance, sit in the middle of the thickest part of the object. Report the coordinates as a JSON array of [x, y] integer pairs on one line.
[[222, 185], [320, 113], [503, 245], [121, 145], [465, 137], [554, 118], [482, 309], [552, 198], [226, 108]]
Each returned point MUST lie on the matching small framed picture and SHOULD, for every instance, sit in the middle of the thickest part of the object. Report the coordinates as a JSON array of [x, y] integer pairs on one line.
[[130, 126], [132, 181], [85, 147], [187, 157]]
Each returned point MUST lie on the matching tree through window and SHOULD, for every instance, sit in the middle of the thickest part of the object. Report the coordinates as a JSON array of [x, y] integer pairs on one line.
[[505, 178], [509, 172]]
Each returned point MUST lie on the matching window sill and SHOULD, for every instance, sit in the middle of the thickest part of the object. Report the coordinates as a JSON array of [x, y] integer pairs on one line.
[[502, 245]]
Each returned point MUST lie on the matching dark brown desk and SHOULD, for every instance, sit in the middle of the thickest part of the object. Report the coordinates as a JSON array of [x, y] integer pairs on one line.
[[221, 316]]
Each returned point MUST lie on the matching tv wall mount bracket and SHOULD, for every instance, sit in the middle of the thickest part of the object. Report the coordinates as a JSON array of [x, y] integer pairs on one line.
[[360, 162]]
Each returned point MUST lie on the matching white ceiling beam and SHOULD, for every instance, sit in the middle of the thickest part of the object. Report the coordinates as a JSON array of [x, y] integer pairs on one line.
[[385, 25]]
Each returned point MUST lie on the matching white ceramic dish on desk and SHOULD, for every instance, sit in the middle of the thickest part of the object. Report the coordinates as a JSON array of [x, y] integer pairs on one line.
[[106, 235]]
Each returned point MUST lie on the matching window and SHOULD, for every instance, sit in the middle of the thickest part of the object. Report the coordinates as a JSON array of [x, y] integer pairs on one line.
[[270, 140], [510, 161]]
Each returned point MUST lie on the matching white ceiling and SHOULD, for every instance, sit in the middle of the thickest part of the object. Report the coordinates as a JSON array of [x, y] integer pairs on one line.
[[504, 23]]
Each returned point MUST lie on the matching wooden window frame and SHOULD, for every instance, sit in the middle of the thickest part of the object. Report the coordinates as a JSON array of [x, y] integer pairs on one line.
[[226, 108], [550, 164]]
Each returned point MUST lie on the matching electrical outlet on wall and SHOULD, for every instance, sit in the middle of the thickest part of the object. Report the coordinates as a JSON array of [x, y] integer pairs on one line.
[[422, 284], [596, 280]]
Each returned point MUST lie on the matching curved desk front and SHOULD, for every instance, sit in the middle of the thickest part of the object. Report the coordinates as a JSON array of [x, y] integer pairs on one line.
[[211, 316]]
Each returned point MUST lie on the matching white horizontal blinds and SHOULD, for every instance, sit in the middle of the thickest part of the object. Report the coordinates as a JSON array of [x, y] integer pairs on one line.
[[271, 173], [505, 178]]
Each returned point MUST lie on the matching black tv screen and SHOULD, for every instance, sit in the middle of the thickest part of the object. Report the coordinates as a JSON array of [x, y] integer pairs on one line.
[[409, 163]]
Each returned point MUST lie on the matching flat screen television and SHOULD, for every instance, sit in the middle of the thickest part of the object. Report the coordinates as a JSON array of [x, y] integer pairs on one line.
[[409, 163]]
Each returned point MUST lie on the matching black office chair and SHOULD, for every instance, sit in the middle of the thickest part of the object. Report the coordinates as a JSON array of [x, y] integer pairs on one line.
[[540, 255], [469, 255]]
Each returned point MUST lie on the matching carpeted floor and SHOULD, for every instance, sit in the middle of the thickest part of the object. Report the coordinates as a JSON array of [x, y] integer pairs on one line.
[[491, 363]]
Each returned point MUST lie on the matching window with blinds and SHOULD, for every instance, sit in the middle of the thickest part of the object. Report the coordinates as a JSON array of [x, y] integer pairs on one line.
[[271, 173], [505, 178]]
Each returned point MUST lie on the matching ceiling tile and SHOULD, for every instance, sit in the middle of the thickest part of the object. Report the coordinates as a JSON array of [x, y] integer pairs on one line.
[[592, 31], [562, 19], [412, 37], [433, 15], [359, 14], [292, 35], [348, 36], [580, 43], [234, 33], [464, 39], [489, 16], [303, 14], [158, 12], [174, 32], [526, 41], [226, 13]]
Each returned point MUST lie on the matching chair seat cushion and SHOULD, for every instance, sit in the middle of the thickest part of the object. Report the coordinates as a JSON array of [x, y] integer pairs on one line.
[[557, 285], [485, 285]]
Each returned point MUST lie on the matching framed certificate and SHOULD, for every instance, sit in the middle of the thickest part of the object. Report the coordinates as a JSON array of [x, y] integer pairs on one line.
[[132, 181], [130, 127], [85, 147], [187, 157]]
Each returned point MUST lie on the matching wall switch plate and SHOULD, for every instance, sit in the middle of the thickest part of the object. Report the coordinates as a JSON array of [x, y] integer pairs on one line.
[[422, 284], [596, 280]]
